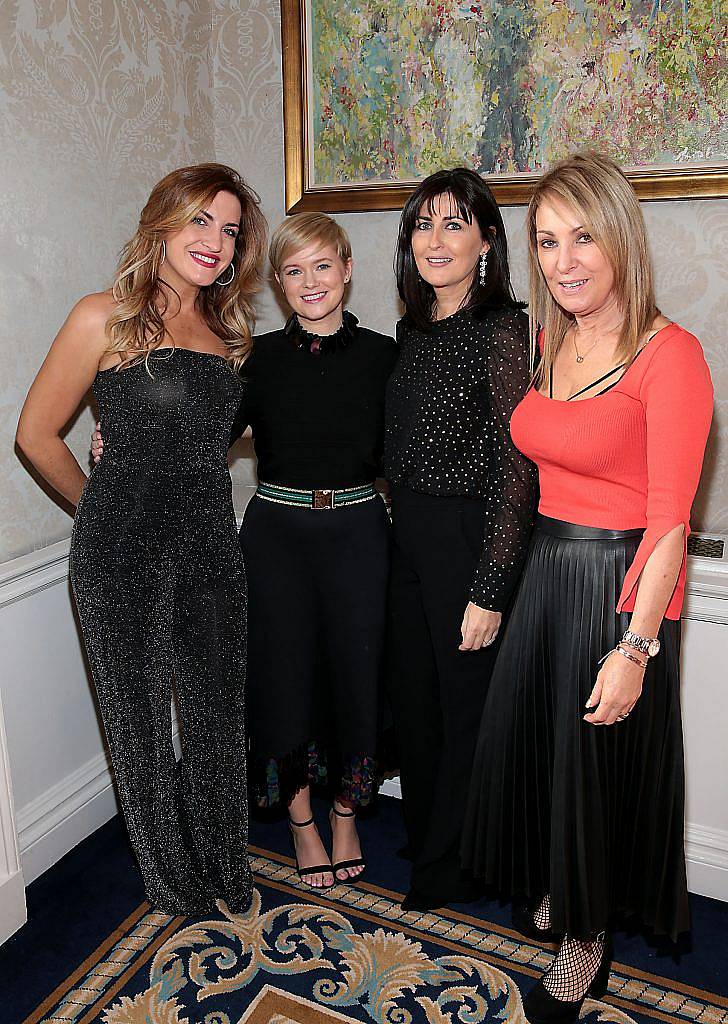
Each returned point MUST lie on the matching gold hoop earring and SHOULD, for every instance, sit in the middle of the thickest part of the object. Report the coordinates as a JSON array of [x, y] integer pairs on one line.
[[164, 252], [232, 275]]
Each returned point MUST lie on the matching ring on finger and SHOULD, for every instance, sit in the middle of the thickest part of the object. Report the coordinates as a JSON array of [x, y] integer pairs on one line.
[[621, 718], [487, 643]]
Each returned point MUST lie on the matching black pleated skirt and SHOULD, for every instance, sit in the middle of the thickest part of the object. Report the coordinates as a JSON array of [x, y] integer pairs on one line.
[[592, 815]]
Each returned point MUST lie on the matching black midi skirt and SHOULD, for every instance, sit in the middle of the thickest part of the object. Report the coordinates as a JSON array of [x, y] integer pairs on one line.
[[592, 815]]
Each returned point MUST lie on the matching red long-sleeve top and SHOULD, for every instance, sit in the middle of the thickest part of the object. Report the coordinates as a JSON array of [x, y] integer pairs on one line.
[[631, 457]]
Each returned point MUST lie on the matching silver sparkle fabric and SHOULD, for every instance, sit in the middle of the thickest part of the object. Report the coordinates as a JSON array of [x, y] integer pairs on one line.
[[159, 583]]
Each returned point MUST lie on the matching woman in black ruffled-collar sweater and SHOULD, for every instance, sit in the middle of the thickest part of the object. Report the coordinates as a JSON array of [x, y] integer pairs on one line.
[[315, 541]]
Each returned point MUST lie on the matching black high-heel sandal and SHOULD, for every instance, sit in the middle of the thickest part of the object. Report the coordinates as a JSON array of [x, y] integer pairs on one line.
[[317, 869], [355, 862], [540, 1007]]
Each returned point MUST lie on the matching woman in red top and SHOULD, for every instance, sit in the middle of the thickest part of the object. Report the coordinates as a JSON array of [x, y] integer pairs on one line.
[[576, 803]]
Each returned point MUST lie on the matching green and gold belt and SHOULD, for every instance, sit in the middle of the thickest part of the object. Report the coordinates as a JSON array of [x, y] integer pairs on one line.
[[316, 498]]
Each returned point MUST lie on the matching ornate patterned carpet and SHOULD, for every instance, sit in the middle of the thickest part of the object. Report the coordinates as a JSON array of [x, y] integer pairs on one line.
[[350, 954]]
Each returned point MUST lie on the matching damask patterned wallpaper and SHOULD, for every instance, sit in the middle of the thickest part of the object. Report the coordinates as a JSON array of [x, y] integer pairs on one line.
[[99, 100]]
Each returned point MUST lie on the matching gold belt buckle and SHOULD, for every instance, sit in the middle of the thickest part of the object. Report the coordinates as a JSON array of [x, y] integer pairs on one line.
[[323, 499]]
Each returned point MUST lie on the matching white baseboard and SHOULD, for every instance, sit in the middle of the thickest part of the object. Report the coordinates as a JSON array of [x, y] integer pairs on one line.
[[77, 805], [68, 813], [391, 787], [706, 853], [13, 914], [64, 815]]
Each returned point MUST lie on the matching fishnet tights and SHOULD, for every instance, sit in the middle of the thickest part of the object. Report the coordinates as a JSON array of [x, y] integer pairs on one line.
[[542, 916], [574, 968]]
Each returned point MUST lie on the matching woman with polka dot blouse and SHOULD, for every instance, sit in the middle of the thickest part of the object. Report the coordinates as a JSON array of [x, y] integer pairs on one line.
[[462, 504]]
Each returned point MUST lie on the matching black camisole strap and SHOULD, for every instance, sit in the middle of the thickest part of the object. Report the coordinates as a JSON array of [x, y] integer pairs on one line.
[[594, 383], [601, 379]]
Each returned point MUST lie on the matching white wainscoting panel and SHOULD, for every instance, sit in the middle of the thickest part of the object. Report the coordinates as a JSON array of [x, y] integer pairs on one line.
[[59, 767], [705, 726], [55, 745], [13, 913]]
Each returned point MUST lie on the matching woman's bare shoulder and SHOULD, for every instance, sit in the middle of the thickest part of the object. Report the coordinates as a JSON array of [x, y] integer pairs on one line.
[[658, 323], [93, 310], [83, 335]]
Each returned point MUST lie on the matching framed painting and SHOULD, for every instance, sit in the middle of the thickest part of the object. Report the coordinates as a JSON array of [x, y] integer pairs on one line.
[[380, 93]]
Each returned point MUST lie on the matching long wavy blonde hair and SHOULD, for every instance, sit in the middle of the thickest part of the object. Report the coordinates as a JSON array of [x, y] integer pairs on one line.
[[136, 326], [597, 191]]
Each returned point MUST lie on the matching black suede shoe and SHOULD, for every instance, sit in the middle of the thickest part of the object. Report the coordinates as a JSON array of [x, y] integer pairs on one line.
[[415, 900], [540, 1007], [600, 985], [523, 922], [465, 891]]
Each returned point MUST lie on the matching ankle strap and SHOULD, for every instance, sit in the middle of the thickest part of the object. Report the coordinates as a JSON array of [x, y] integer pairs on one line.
[[343, 814], [301, 824]]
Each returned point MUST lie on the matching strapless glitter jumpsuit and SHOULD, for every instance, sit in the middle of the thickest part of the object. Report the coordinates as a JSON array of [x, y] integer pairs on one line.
[[160, 587]]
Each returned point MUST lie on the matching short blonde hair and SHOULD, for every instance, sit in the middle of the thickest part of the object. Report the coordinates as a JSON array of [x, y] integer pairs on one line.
[[303, 229], [594, 187]]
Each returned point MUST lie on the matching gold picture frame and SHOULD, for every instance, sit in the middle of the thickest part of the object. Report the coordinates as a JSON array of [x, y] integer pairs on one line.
[[672, 181]]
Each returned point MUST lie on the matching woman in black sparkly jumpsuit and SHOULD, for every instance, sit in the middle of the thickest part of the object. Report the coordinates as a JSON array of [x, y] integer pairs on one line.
[[155, 563], [462, 504]]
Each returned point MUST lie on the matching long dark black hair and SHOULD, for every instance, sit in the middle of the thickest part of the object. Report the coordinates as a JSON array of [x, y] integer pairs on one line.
[[473, 199]]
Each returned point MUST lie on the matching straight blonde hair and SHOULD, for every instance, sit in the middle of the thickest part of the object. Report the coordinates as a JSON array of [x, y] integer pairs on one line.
[[594, 187], [136, 326], [303, 229]]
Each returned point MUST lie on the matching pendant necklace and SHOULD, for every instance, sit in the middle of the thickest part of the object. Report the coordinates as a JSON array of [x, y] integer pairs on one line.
[[581, 358]]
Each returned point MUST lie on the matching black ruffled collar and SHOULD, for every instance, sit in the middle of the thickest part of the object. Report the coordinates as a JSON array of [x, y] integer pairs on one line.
[[318, 345]]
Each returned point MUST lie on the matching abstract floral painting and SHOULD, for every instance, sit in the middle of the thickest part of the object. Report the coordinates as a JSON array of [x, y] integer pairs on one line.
[[506, 87]]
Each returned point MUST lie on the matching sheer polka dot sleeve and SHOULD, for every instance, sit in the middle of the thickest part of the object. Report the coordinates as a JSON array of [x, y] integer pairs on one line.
[[512, 478]]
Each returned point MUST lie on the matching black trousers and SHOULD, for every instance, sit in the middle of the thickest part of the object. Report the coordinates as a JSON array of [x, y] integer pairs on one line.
[[317, 587], [436, 691]]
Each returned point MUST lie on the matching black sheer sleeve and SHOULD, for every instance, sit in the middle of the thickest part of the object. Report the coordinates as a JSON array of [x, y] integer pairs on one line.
[[512, 487]]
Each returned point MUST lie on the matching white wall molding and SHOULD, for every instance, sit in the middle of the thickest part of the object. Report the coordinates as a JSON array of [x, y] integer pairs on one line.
[[706, 591], [64, 815], [13, 913], [706, 853], [70, 809], [33, 572], [391, 787], [706, 596]]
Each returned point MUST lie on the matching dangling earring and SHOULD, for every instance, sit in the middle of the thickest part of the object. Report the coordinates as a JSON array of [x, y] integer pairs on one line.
[[164, 253], [219, 280], [483, 266]]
